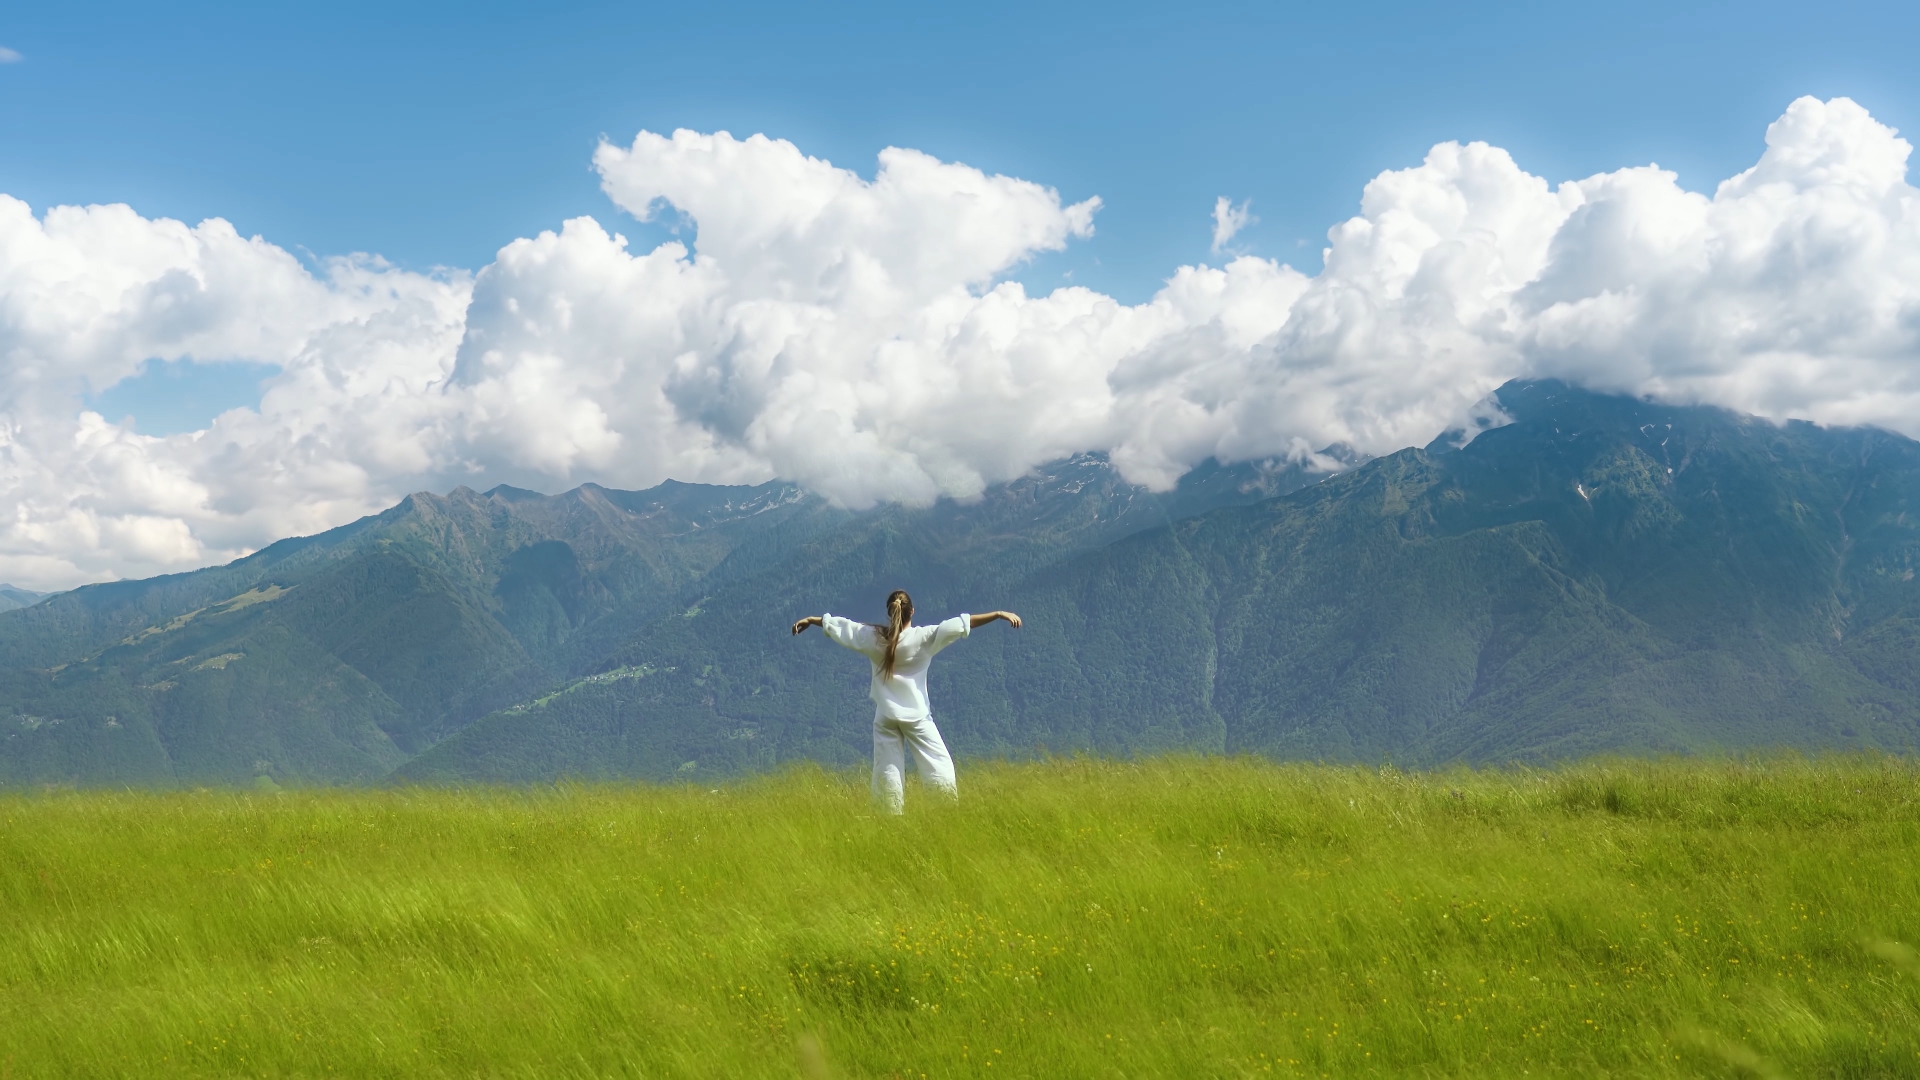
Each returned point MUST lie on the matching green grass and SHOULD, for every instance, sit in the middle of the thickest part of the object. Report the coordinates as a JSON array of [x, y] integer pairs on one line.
[[1176, 917]]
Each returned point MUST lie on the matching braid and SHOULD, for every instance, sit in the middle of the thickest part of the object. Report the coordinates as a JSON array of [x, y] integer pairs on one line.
[[899, 614]]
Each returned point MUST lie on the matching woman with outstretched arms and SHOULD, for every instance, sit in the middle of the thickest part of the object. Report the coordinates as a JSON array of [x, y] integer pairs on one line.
[[902, 719]]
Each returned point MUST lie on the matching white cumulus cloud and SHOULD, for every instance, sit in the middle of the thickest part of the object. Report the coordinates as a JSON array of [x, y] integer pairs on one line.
[[860, 336]]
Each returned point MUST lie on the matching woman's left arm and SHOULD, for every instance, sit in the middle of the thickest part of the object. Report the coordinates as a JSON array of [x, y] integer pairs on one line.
[[982, 620]]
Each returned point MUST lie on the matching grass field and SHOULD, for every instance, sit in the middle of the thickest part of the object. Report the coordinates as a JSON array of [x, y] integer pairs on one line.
[[1173, 917]]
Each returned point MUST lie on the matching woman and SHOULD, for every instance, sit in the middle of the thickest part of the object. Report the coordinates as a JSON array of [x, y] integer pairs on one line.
[[900, 653]]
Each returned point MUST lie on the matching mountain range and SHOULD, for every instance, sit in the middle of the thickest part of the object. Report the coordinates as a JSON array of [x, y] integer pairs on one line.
[[1600, 574], [13, 596]]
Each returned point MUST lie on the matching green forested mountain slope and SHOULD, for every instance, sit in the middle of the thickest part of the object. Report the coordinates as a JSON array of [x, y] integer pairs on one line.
[[1601, 574], [338, 657], [722, 687]]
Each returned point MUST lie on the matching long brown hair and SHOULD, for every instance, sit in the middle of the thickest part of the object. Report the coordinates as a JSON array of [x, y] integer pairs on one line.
[[899, 614]]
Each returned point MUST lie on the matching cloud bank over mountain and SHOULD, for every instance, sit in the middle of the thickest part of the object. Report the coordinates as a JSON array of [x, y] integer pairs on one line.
[[859, 337]]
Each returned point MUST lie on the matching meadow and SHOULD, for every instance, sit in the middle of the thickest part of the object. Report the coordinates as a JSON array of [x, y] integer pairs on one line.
[[1166, 917]]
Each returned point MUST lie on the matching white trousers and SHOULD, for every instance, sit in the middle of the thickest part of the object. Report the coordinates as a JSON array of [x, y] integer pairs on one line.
[[891, 741]]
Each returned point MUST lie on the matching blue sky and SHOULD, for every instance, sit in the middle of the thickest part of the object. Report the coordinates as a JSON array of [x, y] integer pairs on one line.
[[434, 133]]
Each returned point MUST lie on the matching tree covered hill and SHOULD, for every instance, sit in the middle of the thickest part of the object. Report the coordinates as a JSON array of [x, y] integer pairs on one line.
[[339, 657], [1602, 574]]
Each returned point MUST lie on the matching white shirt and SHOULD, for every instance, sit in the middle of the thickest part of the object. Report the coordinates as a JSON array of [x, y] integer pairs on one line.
[[904, 696]]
